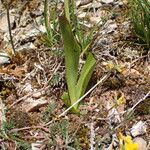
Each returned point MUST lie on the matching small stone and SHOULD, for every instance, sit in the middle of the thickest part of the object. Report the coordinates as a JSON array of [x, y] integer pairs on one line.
[[4, 22], [112, 28], [103, 41], [31, 105], [142, 144], [113, 115], [26, 46], [138, 129], [37, 145], [27, 88], [107, 1], [96, 5], [38, 94], [134, 74], [95, 19], [82, 15], [4, 58]]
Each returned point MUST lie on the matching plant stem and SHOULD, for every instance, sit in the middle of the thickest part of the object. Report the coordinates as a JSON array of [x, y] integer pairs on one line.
[[67, 12], [10, 33], [102, 80], [46, 19]]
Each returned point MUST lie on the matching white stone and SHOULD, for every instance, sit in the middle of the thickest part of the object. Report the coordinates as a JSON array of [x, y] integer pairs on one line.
[[4, 22], [107, 1], [26, 46], [36, 146], [31, 104], [27, 88], [4, 58], [138, 129], [111, 28], [142, 144], [38, 94]]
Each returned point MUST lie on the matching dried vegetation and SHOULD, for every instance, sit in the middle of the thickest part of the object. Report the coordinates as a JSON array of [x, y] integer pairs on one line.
[[115, 114]]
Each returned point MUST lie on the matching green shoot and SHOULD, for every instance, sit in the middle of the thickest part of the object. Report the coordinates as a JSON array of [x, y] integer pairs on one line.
[[67, 10], [140, 17], [52, 36], [76, 84]]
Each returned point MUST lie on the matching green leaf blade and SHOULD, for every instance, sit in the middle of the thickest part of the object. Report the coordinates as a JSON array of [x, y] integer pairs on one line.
[[72, 53], [85, 75]]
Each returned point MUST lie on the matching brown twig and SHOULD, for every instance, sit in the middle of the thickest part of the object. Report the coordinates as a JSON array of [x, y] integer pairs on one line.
[[27, 128], [141, 100]]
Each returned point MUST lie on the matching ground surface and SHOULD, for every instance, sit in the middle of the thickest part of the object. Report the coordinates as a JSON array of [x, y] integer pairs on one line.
[[32, 82]]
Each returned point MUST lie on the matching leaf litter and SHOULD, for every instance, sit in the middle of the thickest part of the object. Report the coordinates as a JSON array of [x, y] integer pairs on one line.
[[35, 79]]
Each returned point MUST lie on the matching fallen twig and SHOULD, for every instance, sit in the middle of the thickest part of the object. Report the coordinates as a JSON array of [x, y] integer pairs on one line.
[[131, 109], [27, 128], [141, 100]]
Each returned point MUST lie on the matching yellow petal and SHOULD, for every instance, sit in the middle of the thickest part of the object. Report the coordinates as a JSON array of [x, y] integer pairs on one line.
[[121, 100], [128, 143]]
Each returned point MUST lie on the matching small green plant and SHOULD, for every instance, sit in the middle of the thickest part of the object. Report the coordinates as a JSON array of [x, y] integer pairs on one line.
[[59, 129], [59, 132], [48, 113], [140, 18], [23, 145], [76, 43], [52, 36], [77, 84], [84, 35]]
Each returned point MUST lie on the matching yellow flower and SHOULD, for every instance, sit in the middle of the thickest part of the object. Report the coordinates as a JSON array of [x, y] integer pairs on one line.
[[121, 100], [110, 65], [126, 143]]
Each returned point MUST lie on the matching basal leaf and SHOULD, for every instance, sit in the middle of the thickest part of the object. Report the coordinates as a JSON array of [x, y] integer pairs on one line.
[[85, 74], [72, 52]]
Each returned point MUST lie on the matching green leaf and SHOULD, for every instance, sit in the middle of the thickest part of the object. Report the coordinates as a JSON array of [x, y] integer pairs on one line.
[[65, 98], [85, 75], [140, 17], [76, 86], [72, 53]]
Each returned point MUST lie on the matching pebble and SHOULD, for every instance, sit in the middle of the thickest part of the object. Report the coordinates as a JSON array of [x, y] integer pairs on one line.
[[4, 22], [3, 59], [107, 1], [142, 144], [31, 105], [138, 129]]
